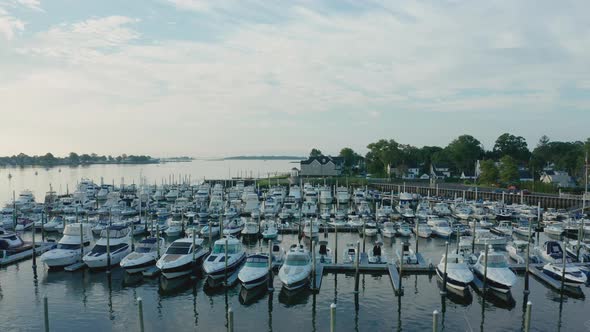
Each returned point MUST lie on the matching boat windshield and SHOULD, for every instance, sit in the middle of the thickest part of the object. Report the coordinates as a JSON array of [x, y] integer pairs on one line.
[[68, 246], [143, 249], [100, 249], [297, 260], [231, 249], [496, 261], [257, 262], [179, 248]]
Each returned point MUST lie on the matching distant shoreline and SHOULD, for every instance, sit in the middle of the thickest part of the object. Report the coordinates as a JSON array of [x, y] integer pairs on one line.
[[263, 158]]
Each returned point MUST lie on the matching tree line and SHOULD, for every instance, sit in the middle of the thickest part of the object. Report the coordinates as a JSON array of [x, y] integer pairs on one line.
[[501, 164], [73, 158]]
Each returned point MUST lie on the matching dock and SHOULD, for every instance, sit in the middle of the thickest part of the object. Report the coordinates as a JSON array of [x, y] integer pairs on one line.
[[395, 278], [151, 272], [537, 271], [316, 282], [75, 267]]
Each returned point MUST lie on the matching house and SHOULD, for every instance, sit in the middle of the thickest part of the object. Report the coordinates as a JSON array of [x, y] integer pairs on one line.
[[322, 166], [558, 178], [406, 173], [524, 175], [466, 175], [440, 171]]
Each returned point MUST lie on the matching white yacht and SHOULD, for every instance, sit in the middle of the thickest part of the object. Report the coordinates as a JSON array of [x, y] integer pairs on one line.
[[178, 260], [119, 245], [573, 277], [311, 228], [377, 256], [342, 195], [144, 256], [441, 209], [349, 255], [388, 229], [459, 276], [403, 229], [504, 228], [53, 223], [71, 247], [309, 209], [441, 228], [324, 253], [251, 228], [326, 195], [234, 227], [270, 207], [499, 276], [255, 272], [215, 264], [270, 230], [423, 230], [174, 228], [296, 270]]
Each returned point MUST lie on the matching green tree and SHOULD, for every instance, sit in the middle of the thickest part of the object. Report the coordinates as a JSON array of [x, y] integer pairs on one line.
[[383, 153], [489, 172], [508, 170], [74, 158], [315, 153], [513, 146], [464, 151]]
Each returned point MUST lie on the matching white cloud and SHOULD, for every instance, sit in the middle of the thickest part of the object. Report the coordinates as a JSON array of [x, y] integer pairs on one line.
[[9, 25], [31, 4], [415, 57]]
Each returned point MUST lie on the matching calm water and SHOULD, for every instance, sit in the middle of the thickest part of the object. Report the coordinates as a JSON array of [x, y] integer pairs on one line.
[[64, 176], [93, 301]]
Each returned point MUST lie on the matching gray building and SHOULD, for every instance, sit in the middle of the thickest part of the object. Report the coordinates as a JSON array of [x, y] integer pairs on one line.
[[322, 166]]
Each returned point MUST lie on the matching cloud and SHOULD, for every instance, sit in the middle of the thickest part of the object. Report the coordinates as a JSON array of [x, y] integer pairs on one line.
[[270, 65], [31, 4], [9, 25]]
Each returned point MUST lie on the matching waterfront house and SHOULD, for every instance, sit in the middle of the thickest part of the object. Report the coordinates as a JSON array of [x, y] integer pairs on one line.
[[558, 178], [322, 166], [439, 171], [524, 175]]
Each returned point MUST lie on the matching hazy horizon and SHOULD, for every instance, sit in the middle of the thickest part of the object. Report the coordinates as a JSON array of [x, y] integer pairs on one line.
[[226, 78]]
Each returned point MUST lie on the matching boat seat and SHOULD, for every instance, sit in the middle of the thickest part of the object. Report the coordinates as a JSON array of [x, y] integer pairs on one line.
[[323, 250]]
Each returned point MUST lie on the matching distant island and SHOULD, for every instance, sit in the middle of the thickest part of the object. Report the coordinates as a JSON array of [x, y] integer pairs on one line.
[[183, 159], [264, 158], [74, 159]]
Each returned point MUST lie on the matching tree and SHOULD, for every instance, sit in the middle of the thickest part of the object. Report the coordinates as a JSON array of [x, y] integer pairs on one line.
[[508, 170], [74, 158], [489, 172], [513, 146], [381, 154], [47, 159], [315, 153], [464, 151]]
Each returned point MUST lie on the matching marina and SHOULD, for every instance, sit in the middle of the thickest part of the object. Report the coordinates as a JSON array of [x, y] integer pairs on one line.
[[373, 282]]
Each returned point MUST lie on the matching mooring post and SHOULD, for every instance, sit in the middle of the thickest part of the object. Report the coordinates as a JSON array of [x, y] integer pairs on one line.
[[473, 237], [46, 313], [43, 216], [109, 250], [564, 259], [527, 319], [485, 271], [210, 234], [435, 321], [364, 234], [34, 249], [140, 308], [333, 317], [528, 255], [230, 320], [82, 242], [444, 290], [158, 239], [401, 271], [270, 258], [226, 261], [356, 274], [313, 259], [336, 244], [417, 237]]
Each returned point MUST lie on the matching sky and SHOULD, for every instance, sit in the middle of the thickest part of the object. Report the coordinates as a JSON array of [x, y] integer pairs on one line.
[[218, 78]]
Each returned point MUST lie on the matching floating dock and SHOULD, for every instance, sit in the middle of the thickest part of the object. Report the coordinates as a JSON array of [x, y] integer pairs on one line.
[[75, 267], [151, 272], [395, 278]]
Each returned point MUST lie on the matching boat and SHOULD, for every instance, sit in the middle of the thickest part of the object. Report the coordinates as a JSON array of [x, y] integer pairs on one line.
[[403, 229], [71, 247], [234, 227], [144, 256], [377, 256], [342, 195], [311, 228], [499, 276], [51, 225], [407, 255], [441, 228], [504, 228], [423, 230], [572, 277], [554, 229], [255, 271], [216, 266], [251, 228], [278, 254], [174, 228], [324, 254], [354, 221], [517, 252], [552, 252], [296, 270], [349, 256], [270, 230], [326, 195], [370, 228], [459, 276], [24, 224], [178, 259], [13, 248], [388, 229], [118, 238]]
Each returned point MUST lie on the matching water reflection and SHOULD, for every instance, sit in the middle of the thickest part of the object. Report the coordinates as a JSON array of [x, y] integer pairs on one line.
[[463, 298], [169, 287], [294, 297], [252, 296]]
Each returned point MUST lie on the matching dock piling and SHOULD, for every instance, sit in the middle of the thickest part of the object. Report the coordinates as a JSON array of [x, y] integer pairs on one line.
[[230, 320], [564, 259], [270, 285], [81, 242], [140, 308], [527, 319], [34, 250], [336, 244], [356, 274], [444, 290], [435, 321], [485, 270], [46, 313], [333, 317], [108, 249]]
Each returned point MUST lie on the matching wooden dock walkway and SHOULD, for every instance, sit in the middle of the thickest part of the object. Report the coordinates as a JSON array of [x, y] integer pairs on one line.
[[316, 282], [75, 267], [395, 278]]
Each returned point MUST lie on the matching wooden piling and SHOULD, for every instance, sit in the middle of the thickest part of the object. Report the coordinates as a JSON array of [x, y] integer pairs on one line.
[[333, 317], [140, 308], [435, 321], [527, 319], [444, 290], [230, 320]]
